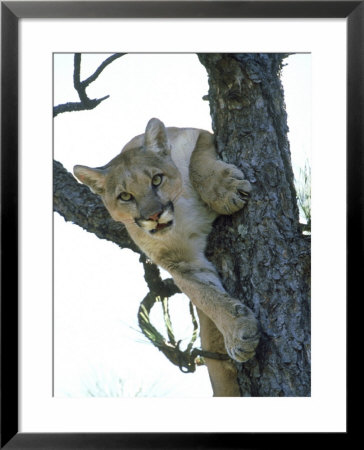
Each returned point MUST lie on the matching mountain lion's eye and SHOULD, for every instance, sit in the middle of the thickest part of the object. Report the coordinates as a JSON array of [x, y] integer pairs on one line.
[[125, 196], [157, 179]]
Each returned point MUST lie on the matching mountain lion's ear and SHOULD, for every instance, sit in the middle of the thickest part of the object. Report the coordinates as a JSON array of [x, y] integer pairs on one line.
[[155, 137], [93, 178]]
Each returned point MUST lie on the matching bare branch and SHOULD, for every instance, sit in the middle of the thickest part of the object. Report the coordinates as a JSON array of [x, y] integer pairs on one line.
[[107, 61], [163, 288], [77, 106], [85, 102]]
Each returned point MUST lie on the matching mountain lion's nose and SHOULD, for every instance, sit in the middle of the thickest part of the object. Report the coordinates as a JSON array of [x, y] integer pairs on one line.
[[155, 216]]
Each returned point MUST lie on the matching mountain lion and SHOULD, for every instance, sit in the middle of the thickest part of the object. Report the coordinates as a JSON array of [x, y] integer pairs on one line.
[[167, 187]]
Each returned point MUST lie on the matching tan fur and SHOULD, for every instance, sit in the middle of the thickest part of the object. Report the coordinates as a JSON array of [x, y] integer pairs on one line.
[[175, 187]]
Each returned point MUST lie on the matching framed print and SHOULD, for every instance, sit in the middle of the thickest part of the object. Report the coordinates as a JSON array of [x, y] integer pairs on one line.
[[52, 319]]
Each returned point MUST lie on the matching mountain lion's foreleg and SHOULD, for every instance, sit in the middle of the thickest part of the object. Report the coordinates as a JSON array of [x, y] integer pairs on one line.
[[222, 186], [223, 374], [200, 282]]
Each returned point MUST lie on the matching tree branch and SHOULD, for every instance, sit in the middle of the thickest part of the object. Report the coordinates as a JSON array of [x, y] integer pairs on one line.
[[102, 66], [85, 102], [157, 286]]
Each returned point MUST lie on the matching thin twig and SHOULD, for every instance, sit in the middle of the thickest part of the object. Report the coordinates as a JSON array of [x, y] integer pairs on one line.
[[107, 61]]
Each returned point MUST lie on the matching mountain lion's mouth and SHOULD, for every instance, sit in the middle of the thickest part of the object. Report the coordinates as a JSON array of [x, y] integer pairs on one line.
[[161, 226]]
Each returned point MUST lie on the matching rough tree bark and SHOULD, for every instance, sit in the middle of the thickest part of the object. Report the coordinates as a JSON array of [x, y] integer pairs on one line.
[[261, 254]]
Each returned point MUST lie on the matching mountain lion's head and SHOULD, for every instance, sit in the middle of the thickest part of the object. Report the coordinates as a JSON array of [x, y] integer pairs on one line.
[[141, 184]]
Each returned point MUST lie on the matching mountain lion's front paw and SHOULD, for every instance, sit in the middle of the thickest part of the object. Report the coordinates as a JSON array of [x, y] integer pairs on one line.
[[242, 337], [232, 191]]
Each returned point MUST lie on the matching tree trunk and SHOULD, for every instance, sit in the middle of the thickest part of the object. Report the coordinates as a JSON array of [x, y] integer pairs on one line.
[[261, 254]]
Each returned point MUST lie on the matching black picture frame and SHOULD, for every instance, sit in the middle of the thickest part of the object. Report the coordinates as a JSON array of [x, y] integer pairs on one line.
[[11, 12]]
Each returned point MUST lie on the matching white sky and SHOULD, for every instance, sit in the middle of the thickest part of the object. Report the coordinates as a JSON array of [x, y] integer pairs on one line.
[[98, 287]]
